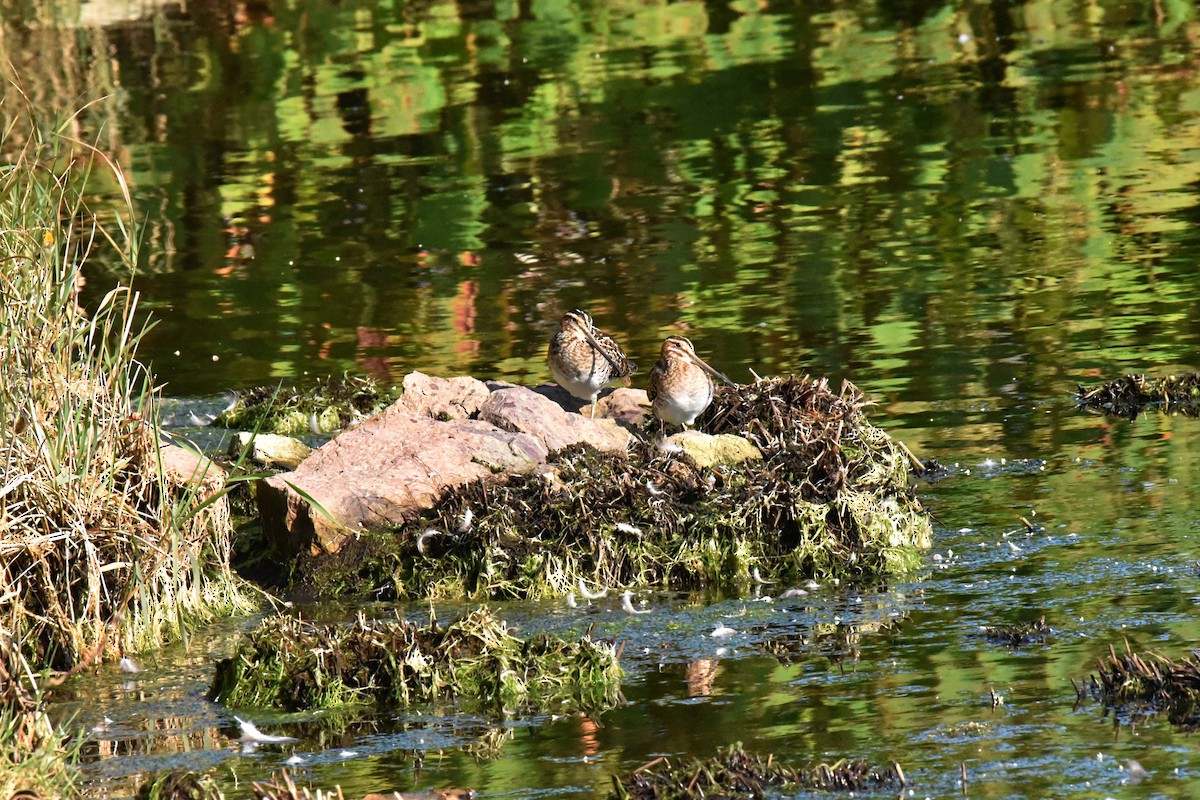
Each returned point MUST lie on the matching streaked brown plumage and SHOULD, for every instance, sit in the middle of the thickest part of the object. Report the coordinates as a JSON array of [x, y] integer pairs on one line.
[[583, 358], [680, 387]]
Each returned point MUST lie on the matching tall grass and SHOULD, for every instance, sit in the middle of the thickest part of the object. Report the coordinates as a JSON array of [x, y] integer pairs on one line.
[[109, 543]]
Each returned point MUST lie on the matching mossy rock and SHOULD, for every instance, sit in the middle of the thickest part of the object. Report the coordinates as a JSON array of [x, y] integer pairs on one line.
[[830, 497]]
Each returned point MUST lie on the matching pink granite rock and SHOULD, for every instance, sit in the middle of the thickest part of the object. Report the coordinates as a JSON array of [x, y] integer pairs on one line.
[[441, 434]]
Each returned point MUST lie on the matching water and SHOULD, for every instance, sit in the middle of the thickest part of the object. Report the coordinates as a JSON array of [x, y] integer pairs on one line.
[[965, 209]]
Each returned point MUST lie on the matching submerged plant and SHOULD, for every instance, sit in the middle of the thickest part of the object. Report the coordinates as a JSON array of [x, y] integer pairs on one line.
[[292, 664], [733, 772], [829, 498], [180, 785], [1019, 633]]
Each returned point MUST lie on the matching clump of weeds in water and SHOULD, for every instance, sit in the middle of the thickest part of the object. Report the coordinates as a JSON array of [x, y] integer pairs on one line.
[[1152, 682], [291, 664], [284, 788], [829, 498], [328, 407], [180, 786], [106, 548], [1016, 634], [1133, 394], [735, 773]]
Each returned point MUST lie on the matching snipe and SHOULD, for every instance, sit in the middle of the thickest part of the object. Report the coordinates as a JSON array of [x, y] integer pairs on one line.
[[583, 358], [680, 387]]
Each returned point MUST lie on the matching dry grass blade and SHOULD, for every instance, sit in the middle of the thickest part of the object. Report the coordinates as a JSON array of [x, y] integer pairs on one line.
[[1161, 684]]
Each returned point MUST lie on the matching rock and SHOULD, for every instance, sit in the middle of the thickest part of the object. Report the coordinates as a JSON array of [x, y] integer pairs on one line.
[[441, 434], [704, 450], [188, 470], [627, 406], [521, 409], [270, 449], [442, 398]]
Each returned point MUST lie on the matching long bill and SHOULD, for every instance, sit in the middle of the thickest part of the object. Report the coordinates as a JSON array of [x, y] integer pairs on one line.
[[704, 366], [602, 350]]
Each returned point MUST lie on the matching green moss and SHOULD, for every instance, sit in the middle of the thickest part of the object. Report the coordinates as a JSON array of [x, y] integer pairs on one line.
[[288, 663]]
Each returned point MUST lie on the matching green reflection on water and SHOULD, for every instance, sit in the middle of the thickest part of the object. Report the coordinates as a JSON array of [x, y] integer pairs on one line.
[[966, 208]]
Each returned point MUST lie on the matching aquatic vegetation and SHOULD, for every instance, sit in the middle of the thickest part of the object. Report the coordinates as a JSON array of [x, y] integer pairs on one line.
[[838, 642], [733, 772], [1153, 682], [1016, 634], [1133, 394], [110, 543], [180, 785], [292, 664], [330, 406], [830, 497], [284, 788]]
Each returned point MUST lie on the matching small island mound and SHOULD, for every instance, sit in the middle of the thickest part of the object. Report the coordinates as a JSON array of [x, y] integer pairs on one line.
[[491, 490]]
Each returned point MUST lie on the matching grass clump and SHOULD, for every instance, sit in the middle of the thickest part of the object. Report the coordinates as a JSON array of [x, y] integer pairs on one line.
[[180, 785], [332, 405], [105, 548], [735, 773], [284, 788], [1131, 395], [1154, 682], [292, 664], [34, 756], [830, 498]]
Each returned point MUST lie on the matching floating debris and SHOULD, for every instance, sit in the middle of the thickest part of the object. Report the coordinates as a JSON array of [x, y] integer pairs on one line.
[[627, 604], [1133, 394], [1154, 683], [292, 664], [583, 590], [733, 772], [331, 406], [251, 733], [1019, 633], [831, 497]]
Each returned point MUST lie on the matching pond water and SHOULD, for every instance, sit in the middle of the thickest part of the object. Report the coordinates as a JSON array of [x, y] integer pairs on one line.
[[965, 208]]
